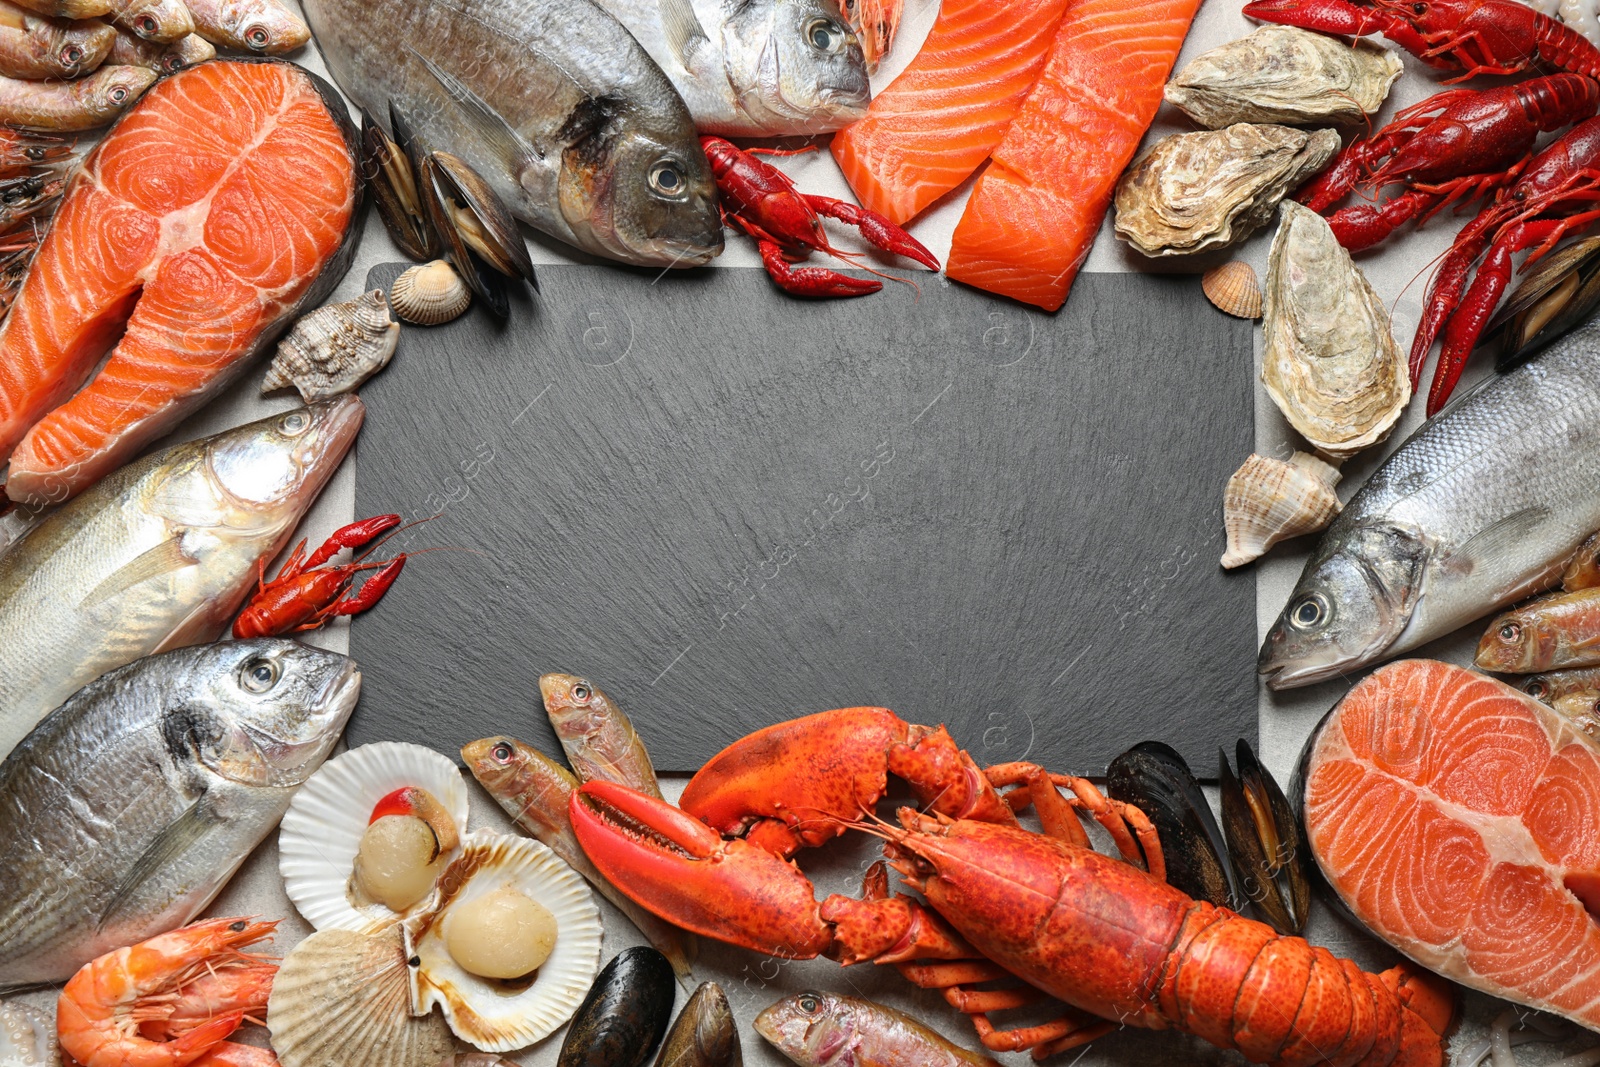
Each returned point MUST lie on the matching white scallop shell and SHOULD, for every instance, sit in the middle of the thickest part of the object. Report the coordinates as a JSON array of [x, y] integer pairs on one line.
[[483, 1012], [27, 1037], [343, 999], [322, 829]]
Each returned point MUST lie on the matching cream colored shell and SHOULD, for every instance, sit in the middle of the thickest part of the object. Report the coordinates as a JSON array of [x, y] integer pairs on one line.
[[430, 294], [1270, 500], [1196, 192], [1330, 360], [342, 998], [27, 1036], [1232, 287], [335, 348]]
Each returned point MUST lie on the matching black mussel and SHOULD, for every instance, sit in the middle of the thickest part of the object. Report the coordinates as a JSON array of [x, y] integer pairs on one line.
[[705, 1034], [1154, 777], [484, 283], [482, 218], [387, 170], [625, 1013], [1264, 841], [1560, 292]]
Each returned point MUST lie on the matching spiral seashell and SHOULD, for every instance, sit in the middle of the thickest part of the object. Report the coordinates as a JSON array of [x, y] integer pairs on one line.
[[1232, 287], [430, 294], [1271, 500], [335, 348]]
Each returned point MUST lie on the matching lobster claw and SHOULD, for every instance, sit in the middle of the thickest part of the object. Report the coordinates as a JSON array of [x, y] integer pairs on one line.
[[682, 870]]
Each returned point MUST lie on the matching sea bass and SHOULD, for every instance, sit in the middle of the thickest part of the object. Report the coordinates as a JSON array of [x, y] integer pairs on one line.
[[156, 556], [1482, 506], [132, 804], [763, 68], [553, 103]]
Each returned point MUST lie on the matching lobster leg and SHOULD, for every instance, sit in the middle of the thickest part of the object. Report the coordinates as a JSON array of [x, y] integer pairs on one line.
[[812, 281], [356, 601], [875, 228]]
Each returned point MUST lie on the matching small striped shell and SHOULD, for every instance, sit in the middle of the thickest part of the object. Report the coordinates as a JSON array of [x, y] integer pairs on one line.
[[430, 294], [1232, 287], [1271, 500]]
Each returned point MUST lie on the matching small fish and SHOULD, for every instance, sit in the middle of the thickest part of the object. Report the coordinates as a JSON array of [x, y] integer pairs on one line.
[[71, 106], [68, 9], [624, 1015], [162, 21], [35, 46], [599, 740], [1573, 693], [133, 803], [132, 51], [265, 27], [1583, 569], [827, 1029], [705, 1035], [1551, 633], [535, 791]]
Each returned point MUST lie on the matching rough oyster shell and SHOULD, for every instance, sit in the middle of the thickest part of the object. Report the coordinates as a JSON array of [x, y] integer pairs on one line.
[[1285, 74], [1270, 500], [343, 999], [321, 831], [1330, 362], [335, 348], [27, 1036], [499, 1016], [1194, 192]]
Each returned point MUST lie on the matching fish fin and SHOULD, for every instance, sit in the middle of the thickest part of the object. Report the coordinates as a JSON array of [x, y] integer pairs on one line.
[[179, 836], [201, 626], [485, 121], [156, 562], [1497, 537], [682, 29]]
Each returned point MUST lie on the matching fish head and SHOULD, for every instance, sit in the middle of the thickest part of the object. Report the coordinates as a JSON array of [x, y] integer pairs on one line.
[[568, 697], [263, 27], [799, 62], [1352, 602], [275, 466], [268, 711], [116, 87], [644, 199], [1518, 642], [805, 1027]]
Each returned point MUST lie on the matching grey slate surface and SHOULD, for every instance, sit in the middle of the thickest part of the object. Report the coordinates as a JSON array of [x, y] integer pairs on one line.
[[729, 508]]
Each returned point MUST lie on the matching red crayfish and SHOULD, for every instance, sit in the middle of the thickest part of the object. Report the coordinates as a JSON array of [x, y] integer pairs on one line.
[[759, 199], [305, 594], [1108, 939]]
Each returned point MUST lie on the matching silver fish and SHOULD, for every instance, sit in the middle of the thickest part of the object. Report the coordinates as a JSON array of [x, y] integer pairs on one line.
[[1481, 507], [550, 101], [133, 803], [158, 555], [761, 68]]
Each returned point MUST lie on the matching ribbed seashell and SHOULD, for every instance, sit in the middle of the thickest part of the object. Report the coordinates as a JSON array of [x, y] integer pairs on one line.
[[27, 1037], [1330, 361], [335, 348], [343, 999], [1232, 287], [430, 294], [1270, 500]]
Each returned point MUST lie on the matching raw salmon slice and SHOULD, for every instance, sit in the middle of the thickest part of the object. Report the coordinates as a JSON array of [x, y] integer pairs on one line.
[[944, 114], [1459, 819], [214, 210], [1034, 212]]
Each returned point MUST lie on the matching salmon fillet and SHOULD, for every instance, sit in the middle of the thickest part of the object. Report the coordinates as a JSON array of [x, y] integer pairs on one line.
[[939, 120], [1459, 819], [195, 230], [1035, 211]]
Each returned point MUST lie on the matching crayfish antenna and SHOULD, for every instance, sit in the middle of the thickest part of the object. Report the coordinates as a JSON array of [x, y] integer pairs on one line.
[[367, 551], [854, 259]]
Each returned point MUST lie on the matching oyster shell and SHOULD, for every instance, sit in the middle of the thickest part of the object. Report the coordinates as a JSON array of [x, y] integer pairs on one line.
[[1330, 362], [1232, 287], [343, 999], [335, 348], [1285, 74], [27, 1036], [1270, 500], [1195, 192]]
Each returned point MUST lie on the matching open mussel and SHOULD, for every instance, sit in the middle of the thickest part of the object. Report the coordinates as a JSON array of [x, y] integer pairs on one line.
[[388, 172], [1264, 842], [482, 218], [1560, 292], [1154, 777]]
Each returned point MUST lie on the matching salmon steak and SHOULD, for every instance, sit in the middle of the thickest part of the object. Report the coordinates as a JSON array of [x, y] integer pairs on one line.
[[1459, 820], [217, 207]]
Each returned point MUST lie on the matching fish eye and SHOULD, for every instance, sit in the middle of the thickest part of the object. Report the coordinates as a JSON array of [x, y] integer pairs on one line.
[[810, 1003], [501, 752], [1510, 633], [257, 37], [1537, 690], [147, 24], [580, 693], [825, 35], [294, 424], [71, 54], [666, 179], [118, 95], [1309, 611], [259, 675]]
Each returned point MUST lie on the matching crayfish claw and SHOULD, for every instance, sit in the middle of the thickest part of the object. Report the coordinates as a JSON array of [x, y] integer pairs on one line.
[[812, 281], [877, 230]]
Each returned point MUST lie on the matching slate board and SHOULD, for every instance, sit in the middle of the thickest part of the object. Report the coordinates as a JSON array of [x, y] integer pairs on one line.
[[727, 508]]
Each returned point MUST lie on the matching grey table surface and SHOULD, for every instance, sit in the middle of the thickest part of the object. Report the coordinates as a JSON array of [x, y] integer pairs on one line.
[[752, 981]]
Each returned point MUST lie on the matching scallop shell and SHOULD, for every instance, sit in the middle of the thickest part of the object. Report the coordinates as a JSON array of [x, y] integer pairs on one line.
[[1232, 287], [1330, 361], [490, 1015], [1271, 500], [430, 294], [1195, 192], [1285, 74], [27, 1036], [343, 999], [335, 348], [322, 829]]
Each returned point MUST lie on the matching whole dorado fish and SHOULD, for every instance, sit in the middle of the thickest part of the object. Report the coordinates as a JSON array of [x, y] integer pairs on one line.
[[599, 740], [1482, 506], [157, 555], [551, 102], [763, 68], [133, 803]]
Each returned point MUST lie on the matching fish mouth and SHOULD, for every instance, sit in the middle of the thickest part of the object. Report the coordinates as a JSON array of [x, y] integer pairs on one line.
[[1280, 676], [294, 761]]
